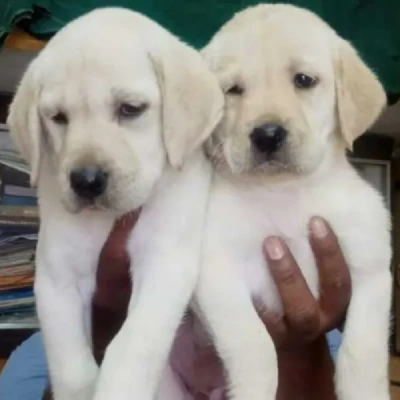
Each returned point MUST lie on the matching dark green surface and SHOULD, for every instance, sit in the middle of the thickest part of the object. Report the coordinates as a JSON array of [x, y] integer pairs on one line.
[[373, 26]]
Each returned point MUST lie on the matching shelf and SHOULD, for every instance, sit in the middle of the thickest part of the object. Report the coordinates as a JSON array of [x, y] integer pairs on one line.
[[20, 323]]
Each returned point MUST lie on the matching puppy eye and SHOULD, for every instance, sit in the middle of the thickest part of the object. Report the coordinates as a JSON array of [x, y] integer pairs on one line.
[[303, 81], [235, 90], [60, 118], [126, 110]]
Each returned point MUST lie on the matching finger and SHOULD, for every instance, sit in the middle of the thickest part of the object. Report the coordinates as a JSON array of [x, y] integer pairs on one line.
[[274, 323], [113, 283], [334, 275], [113, 286], [105, 325], [47, 394], [299, 305]]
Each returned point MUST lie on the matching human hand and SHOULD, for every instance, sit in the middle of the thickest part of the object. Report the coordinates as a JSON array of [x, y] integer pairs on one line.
[[305, 318], [305, 366]]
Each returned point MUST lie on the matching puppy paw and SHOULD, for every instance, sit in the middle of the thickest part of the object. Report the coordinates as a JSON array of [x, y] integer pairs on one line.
[[76, 382]]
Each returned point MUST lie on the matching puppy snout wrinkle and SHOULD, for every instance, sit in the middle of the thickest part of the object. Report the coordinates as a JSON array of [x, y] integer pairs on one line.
[[89, 182], [268, 138]]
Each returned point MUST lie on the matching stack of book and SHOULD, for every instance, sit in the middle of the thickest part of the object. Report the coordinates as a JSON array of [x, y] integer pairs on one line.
[[19, 223]]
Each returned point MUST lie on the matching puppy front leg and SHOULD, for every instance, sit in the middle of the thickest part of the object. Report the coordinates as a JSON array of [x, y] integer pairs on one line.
[[362, 366], [67, 256], [135, 359], [241, 339], [62, 310]]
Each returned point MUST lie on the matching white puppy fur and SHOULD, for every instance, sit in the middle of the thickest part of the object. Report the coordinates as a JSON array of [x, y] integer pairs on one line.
[[257, 57], [114, 90]]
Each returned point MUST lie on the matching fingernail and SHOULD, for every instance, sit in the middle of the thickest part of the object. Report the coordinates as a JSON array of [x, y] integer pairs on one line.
[[274, 248], [318, 227]]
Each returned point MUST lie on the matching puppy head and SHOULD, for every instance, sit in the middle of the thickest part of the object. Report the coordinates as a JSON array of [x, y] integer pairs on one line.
[[295, 92], [110, 103]]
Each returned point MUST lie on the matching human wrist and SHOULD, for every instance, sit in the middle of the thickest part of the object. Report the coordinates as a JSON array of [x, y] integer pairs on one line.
[[306, 371]]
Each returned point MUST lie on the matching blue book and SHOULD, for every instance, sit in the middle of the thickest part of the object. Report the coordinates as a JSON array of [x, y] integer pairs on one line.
[[14, 294], [10, 200]]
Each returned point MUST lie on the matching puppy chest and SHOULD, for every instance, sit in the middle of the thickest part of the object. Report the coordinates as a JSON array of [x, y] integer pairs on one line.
[[238, 223]]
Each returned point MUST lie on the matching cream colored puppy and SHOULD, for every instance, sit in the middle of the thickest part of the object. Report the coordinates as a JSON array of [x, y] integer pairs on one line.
[[106, 115], [296, 96]]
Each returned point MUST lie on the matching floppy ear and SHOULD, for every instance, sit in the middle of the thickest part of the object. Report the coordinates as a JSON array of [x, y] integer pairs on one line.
[[24, 124], [192, 99], [360, 96]]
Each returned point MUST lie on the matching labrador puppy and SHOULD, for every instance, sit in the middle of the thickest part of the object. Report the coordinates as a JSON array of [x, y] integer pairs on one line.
[[296, 96], [111, 120]]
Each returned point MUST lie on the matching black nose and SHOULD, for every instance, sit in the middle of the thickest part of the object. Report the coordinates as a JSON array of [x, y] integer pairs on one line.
[[268, 138], [88, 183]]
